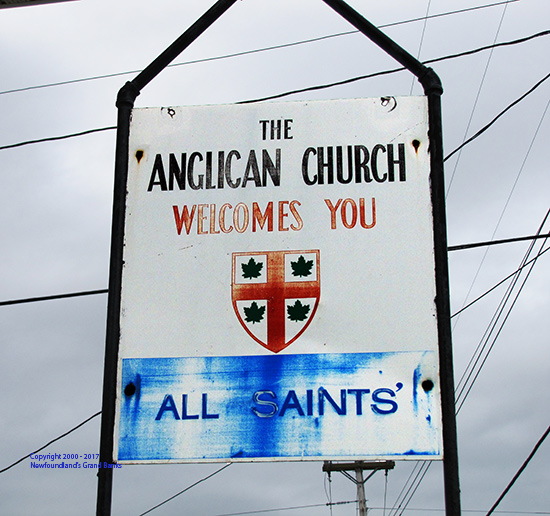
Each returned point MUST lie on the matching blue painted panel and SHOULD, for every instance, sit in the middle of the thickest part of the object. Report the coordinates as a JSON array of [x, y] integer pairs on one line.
[[279, 407]]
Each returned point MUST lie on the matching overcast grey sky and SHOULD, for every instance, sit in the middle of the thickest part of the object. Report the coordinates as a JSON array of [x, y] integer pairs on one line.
[[56, 211]]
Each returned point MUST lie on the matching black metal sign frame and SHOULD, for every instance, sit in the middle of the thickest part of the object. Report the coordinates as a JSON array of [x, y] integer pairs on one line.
[[125, 102]]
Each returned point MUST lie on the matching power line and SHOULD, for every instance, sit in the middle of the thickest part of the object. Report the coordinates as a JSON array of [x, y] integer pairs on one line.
[[500, 283], [422, 468], [371, 508], [395, 70], [492, 325], [325, 86], [51, 442], [347, 502], [478, 95], [106, 291], [187, 489], [495, 242], [418, 479], [255, 51], [483, 129], [422, 42], [464, 391], [319, 87], [54, 138], [296, 507], [507, 200], [520, 471], [419, 475], [494, 320], [57, 296], [521, 168], [470, 511]]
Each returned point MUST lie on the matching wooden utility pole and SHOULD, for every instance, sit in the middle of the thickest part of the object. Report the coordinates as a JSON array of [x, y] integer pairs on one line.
[[361, 492], [359, 481]]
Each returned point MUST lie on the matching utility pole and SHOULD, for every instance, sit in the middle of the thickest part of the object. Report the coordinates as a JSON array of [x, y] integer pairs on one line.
[[361, 492], [359, 480]]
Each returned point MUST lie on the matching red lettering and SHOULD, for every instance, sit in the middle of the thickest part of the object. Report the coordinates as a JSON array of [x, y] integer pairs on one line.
[[260, 218], [184, 218]]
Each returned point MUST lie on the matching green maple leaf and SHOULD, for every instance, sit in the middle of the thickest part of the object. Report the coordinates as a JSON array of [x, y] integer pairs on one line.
[[301, 267], [298, 311], [252, 269], [254, 313]]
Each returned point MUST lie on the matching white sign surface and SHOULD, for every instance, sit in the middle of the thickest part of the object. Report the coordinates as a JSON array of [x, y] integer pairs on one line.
[[278, 284]]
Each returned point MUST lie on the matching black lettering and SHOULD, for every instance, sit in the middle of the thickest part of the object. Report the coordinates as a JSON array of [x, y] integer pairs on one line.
[[158, 171], [340, 166], [305, 161], [264, 123], [328, 164], [374, 163], [287, 129], [221, 168], [399, 161], [176, 172], [209, 185], [190, 170], [252, 166], [361, 155], [275, 129], [230, 182], [268, 167]]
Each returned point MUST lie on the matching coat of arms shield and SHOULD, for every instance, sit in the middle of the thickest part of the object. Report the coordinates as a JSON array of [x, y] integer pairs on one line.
[[276, 294]]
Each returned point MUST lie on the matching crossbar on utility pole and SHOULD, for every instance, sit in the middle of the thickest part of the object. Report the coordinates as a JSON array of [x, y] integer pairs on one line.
[[359, 466]]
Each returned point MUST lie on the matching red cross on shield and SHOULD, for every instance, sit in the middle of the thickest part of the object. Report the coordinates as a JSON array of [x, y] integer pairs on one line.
[[276, 294]]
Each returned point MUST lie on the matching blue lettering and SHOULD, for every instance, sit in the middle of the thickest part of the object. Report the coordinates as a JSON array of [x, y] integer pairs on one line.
[[309, 394], [291, 402], [358, 399], [340, 410], [377, 399], [259, 398], [184, 414], [205, 414], [167, 405], [266, 405]]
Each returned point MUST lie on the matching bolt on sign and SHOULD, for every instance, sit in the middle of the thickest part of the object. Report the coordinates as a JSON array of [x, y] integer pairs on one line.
[[278, 286]]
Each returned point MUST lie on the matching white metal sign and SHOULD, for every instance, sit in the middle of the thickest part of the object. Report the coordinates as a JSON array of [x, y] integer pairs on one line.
[[278, 289]]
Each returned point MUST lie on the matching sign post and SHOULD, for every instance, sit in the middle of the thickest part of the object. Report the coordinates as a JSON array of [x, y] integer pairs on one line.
[[125, 102], [272, 292], [433, 91]]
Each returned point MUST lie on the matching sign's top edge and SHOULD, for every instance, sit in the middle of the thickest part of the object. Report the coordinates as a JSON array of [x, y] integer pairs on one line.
[[242, 105]]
